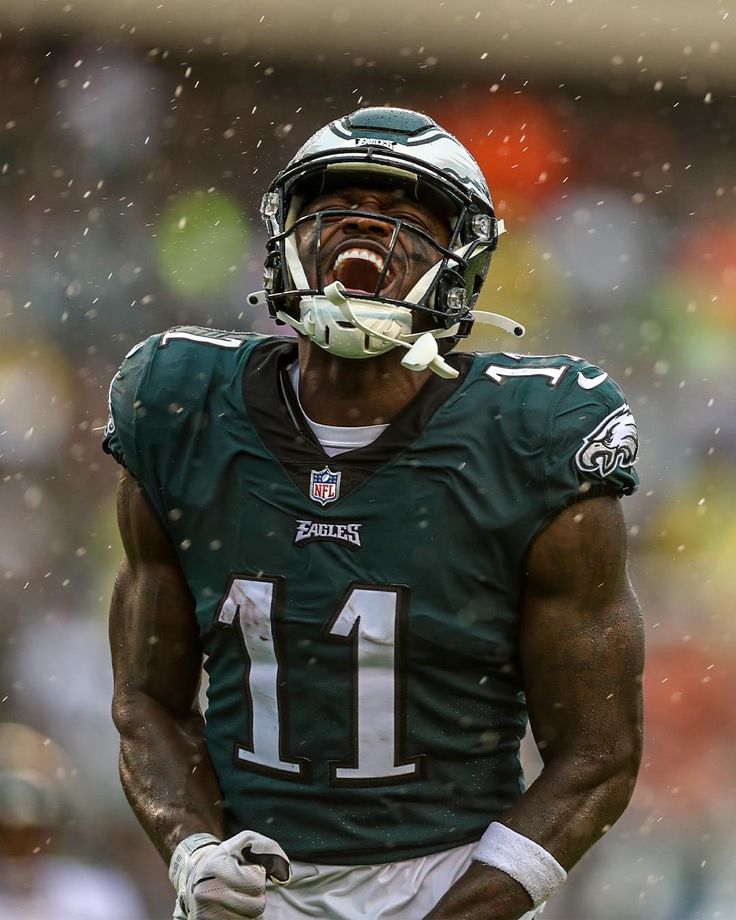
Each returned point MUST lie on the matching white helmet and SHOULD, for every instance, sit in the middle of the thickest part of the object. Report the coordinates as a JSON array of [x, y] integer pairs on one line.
[[394, 147]]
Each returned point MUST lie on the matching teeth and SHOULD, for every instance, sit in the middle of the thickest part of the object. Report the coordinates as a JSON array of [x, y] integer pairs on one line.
[[361, 254]]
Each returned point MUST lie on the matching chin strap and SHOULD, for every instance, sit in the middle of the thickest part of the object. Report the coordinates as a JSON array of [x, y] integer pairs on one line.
[[295, 263], [422, 286], [299, 277]]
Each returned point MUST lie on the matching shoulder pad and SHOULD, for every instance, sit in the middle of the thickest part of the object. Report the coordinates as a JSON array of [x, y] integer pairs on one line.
[[169, 373], [579, 412], [119, 434], [594, 441]]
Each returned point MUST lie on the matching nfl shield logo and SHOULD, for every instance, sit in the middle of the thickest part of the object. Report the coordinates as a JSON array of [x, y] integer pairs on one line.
[[324, 486]]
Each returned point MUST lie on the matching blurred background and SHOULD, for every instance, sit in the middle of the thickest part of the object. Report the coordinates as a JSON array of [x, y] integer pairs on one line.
[[136, 139]]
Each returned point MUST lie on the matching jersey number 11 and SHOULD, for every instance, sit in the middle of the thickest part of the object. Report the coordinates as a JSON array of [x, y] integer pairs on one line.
[[369, 617]]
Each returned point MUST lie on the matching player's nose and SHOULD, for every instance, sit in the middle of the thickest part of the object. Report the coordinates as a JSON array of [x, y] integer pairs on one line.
[[367, 225]]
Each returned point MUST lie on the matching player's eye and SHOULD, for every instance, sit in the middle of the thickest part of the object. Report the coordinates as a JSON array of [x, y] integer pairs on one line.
[[411, 218]]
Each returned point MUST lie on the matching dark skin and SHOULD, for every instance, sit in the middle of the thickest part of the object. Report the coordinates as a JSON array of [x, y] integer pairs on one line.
[[157, 666], [581, 644]]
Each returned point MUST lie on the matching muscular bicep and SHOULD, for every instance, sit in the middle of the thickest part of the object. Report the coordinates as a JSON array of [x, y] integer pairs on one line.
[[153, 633], [582, 638]]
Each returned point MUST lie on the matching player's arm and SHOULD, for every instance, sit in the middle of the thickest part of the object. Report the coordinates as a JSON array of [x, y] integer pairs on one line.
[[165, 770], [581, 646], [164, 766]]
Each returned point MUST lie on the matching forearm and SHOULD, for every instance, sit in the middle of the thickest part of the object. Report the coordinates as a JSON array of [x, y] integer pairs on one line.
[[572, 803], [582, 654], [167, 774]]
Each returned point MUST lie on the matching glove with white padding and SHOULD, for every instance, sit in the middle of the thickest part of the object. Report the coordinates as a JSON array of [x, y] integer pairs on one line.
[[225, 879]]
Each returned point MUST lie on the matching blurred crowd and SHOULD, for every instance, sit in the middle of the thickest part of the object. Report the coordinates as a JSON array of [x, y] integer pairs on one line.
[[130, 179]]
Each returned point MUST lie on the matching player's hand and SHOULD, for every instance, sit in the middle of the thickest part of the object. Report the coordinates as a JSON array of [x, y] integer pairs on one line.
[[226, 881]]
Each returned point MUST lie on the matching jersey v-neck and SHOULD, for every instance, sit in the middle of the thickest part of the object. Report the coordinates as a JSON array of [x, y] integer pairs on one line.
[[335, 439], [274, 410]]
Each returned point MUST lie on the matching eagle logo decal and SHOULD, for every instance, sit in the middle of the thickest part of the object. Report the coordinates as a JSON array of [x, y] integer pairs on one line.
[[613, 444]]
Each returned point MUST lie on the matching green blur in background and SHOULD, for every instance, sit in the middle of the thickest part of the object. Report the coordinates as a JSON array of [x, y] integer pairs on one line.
[[202, 240]]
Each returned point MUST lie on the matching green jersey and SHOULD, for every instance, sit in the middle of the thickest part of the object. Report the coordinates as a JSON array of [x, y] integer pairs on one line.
[[359, 613]]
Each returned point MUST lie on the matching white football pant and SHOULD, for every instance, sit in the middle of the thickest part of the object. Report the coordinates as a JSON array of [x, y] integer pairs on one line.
[[405, 890]]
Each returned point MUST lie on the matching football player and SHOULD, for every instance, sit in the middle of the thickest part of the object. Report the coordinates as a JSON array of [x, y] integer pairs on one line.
[[389, 556]]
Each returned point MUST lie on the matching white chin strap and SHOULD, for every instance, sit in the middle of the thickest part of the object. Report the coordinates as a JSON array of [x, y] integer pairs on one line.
[[365, 328]]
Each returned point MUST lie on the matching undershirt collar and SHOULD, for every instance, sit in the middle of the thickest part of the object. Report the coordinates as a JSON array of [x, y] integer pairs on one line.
[[336, 439]]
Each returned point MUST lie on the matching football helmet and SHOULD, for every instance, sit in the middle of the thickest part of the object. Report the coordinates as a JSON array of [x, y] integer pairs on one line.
[[392, 148]]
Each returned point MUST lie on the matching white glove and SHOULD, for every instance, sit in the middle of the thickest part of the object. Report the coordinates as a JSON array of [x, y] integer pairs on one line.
[[225, 880]]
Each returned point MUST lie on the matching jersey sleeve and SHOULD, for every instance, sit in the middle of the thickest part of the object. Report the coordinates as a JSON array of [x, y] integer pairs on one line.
[[119, 438], [593, 442]]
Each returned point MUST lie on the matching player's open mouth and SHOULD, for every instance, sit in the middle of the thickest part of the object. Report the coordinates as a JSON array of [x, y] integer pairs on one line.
[[359, 269]]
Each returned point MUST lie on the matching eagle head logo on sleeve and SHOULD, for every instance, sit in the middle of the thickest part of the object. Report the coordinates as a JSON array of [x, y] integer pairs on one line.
[[612, 444]]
